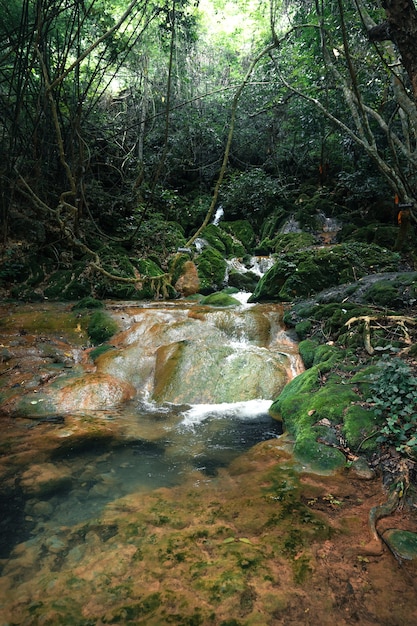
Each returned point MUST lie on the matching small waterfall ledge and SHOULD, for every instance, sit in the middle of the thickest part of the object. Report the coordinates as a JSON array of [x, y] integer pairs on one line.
[[177, 352]]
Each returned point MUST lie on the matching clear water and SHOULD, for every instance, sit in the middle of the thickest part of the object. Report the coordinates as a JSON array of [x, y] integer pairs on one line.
[[166, 445]]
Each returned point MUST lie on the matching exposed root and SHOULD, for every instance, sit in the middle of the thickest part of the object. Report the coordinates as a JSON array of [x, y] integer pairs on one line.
[[382, 321]]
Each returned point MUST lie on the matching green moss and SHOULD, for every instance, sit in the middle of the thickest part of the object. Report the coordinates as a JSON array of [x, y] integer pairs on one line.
[[94, 354], [318, 456], [303, 329], [240, 230], [305, 402], [220, 299], [101, 327], [211, 268], [383, 293], [222, 241], [302, 273], [359, 424], [292, 242], [243, 282], [307, 349]]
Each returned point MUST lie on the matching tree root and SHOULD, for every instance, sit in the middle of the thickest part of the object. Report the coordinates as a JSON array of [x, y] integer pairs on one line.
[[393, 320]]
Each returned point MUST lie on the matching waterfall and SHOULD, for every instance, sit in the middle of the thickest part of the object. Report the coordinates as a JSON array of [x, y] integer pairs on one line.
[[199, 355], [218, 215]]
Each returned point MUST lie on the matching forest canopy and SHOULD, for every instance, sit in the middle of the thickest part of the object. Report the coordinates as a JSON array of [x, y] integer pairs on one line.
[[124, 124]]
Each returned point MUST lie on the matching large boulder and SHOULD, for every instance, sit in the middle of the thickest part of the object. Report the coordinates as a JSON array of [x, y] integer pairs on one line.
[[300, 274]]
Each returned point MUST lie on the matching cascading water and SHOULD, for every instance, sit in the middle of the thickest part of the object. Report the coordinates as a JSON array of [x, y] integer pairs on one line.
[[183, 388]]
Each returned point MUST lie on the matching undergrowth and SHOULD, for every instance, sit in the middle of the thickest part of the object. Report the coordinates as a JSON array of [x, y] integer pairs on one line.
[[394, 398]]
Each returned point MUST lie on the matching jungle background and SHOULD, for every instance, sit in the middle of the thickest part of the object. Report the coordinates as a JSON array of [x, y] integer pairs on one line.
[[125, 125]]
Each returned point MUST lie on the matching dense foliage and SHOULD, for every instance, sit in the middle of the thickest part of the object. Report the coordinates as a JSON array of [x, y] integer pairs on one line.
[[120, 120]]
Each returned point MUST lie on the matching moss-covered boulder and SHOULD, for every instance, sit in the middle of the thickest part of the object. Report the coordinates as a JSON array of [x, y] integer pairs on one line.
[[288, 242], [246, 281], [241, 231], [220, 299], [211, 268], [101, 327], [222, 241], [302, 273], [320, 404], [68, 284]]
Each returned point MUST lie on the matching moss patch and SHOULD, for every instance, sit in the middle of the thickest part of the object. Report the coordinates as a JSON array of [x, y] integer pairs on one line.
[[101, 327]]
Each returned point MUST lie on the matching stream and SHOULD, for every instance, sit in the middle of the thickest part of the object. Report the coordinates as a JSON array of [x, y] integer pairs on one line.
[[200, 381], [144, 482]]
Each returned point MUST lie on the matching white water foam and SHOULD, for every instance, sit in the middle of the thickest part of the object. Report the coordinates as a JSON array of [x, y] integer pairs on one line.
[[239, 410]]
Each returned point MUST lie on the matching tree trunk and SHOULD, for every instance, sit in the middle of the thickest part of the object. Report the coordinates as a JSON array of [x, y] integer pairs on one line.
[[402, 23]]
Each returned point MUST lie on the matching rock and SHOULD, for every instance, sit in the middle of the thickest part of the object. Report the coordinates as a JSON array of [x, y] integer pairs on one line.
[[95, 392], [55, 544], [403, 543], [44, 479], [301, 274], [220, 299], [361, 469], [188, 283]]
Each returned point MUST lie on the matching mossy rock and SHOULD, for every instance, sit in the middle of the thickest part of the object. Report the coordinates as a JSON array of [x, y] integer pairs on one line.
[[211, 268], [359, 425], [241, 231], [273, 223], [403, 543], [151, 284], [318, 456], [220, 299], [69, 284], [243, 282], [223, 241], [303, 405], [101, 327], [303, 329], [307, 349], [291, 242], [303, 273]]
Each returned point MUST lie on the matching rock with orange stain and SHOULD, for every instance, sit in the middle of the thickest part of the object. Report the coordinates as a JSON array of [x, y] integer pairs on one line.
[[94, 392], [189, 282]]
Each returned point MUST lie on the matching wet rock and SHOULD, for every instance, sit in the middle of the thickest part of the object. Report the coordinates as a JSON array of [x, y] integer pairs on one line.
[[45, 479], [403, 543], [55, 544], [98, 391], [361, 469]]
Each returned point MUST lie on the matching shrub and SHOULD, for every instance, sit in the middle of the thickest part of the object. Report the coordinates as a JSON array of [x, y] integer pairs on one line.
[[394, 398]]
